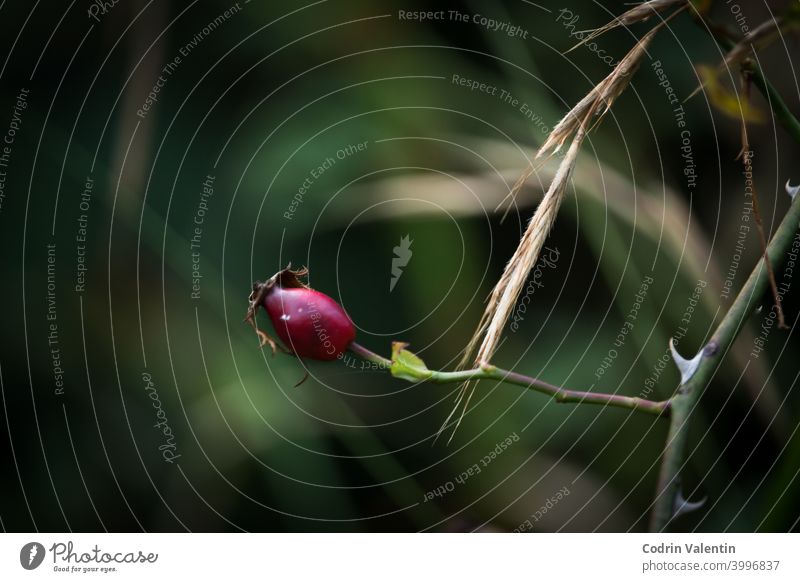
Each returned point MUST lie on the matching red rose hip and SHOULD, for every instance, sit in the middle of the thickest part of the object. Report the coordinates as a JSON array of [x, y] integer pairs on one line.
[[309, 323]]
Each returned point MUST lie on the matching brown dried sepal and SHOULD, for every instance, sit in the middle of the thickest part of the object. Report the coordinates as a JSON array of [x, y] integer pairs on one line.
[[285, 278]]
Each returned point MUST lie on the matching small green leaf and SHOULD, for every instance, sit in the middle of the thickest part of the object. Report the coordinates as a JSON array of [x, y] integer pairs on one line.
[[406, 365]]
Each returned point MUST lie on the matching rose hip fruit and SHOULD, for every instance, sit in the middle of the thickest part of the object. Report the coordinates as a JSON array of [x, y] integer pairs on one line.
[[310, 324]]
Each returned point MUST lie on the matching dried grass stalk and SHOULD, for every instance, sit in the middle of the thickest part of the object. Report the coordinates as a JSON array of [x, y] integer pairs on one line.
[[600, 99], [603, 94], [506, 291], [574, 125], [759, 36], [639, 13]]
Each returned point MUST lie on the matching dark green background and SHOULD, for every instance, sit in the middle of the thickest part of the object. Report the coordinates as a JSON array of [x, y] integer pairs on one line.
[[272, 93]]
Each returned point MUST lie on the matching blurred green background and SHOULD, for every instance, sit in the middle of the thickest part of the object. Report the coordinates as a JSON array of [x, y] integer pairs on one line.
[[261, 97]]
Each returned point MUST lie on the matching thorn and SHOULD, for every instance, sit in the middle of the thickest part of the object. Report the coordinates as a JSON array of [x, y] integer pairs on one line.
[[686, 367], [792, 190], [682, 506]]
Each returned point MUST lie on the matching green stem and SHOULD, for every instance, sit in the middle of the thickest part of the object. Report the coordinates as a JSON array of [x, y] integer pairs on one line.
[[782, 112], [688, 395], [369, 355], [558, 394], [785, 116]]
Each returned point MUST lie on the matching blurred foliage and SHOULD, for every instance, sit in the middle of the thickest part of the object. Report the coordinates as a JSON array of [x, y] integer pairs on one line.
[[260, 104]]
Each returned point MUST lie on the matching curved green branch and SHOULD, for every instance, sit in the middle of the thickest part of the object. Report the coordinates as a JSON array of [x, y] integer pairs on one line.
[[409, 367], [688, 394]]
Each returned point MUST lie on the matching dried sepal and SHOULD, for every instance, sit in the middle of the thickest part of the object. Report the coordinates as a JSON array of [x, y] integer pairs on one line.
[[286, 278]]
